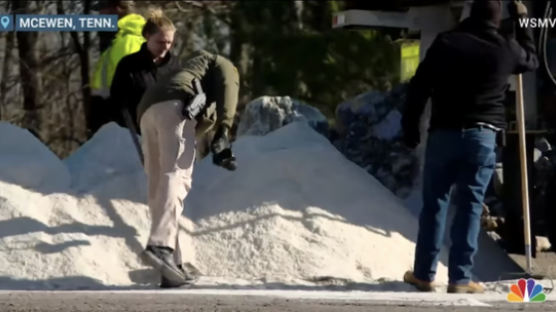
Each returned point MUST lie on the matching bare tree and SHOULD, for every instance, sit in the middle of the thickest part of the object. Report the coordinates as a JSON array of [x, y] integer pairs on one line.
[[29, 69], [6, 64], [82, 49]]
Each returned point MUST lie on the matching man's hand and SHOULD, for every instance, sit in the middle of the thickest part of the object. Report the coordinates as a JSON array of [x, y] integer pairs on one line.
[[517, 9], [197, 103], [194, 107], [222, 149]]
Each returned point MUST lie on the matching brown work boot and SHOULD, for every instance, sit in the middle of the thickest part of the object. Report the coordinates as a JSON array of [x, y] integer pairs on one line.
[[409, 278], [469, 288]]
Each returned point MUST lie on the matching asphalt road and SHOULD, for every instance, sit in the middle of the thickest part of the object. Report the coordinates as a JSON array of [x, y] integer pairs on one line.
[[173, 302]]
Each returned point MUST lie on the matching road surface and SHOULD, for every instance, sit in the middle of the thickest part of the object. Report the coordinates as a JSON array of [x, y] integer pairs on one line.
[[254, 300]]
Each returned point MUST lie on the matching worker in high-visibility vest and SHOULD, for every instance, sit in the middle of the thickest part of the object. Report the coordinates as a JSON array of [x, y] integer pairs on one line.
[[128, 40]]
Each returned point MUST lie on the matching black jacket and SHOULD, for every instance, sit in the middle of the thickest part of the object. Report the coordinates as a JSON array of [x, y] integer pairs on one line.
[[465, 73], [134, 74]]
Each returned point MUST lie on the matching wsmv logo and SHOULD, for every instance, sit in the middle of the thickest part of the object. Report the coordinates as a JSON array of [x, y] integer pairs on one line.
[[526, 291]]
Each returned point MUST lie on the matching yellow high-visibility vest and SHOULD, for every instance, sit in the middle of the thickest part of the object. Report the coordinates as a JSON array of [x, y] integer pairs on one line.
[[128, 40]]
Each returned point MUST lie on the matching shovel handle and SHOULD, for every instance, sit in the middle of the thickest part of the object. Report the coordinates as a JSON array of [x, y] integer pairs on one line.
[[520, 111]]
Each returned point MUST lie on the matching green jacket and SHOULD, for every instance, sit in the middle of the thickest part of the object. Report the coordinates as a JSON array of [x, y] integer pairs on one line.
[[219, 79], [128, 40]]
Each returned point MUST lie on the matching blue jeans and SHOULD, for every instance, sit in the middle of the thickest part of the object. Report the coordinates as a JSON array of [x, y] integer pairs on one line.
[[464, 159]]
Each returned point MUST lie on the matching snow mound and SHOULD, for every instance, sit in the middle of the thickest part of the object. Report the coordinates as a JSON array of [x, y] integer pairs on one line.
[[109, 153], [25, 161]]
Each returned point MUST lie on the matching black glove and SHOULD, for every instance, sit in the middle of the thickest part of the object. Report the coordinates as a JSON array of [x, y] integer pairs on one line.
[[517, 9], [222, 149], [411, 139], [225, 159]]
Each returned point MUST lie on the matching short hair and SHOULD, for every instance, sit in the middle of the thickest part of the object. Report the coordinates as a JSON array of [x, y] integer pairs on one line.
[[488, 10]]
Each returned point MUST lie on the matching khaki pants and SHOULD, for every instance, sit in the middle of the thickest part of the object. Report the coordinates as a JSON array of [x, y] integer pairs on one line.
[[169, 149]]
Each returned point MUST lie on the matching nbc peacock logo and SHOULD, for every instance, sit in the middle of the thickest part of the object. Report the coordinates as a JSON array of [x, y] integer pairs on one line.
[[526, 291]]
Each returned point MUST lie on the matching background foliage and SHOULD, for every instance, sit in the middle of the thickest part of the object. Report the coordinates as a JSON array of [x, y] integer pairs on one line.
[[280, 48]]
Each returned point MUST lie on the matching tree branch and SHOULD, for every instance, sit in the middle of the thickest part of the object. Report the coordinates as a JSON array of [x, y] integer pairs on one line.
[[205, 7]]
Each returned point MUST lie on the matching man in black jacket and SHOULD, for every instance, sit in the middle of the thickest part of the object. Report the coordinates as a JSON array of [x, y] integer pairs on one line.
[[138, 71], [465, 73], [134, 75]]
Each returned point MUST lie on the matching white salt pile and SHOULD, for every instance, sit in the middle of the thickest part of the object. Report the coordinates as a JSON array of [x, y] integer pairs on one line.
[[109, 154], [295, 212], [63, 241], [25, 161], [86, 236]]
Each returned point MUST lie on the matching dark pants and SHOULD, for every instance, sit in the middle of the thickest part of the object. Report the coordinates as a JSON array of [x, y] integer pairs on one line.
[[464, 159], [102, 112]]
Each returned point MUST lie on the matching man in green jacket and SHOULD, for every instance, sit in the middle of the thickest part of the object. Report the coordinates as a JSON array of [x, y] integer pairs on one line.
[[172, 113]]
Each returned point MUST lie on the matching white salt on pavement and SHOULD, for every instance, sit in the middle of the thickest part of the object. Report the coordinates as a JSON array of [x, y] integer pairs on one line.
[[296, 212]]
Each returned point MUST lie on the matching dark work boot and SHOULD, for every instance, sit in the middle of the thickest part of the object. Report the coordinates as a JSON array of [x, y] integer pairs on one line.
[[190, 273], [162, 259]]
